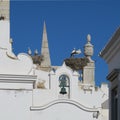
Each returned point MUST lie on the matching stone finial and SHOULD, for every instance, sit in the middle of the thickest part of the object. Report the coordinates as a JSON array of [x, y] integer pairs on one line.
[[89, 38], [29, 51], [88, 48]]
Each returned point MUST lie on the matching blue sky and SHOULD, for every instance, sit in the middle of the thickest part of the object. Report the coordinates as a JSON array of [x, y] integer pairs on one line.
[[68, 24]]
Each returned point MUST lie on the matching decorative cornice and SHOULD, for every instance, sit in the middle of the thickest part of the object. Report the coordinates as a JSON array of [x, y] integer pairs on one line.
[[11, 55], [3, 48], [7, 78], [17, 82], [114, 74], [72, 102], [112, 46]]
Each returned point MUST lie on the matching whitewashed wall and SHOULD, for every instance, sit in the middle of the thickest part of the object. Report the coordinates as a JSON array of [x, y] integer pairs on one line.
[[15, 104], [21, 100]]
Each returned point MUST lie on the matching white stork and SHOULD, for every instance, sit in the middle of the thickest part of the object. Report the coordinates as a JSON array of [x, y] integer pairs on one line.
[[29, 51], [75, 52]]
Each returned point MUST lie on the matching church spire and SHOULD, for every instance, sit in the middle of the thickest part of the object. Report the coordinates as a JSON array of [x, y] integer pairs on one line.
[[4, 9], [46, 63]]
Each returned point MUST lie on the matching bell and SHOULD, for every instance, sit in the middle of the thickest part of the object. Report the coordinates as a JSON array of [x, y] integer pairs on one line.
[[63, 91], [63, 84]]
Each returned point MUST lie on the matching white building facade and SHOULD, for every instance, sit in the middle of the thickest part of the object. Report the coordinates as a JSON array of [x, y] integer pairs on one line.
[[111, 55], [32, 89]]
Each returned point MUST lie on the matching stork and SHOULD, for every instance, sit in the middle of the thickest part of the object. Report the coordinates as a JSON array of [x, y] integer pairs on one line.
[[75, 52]]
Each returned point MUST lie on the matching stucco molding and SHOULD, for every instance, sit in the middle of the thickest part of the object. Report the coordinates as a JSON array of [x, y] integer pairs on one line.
[[18, 82], [7, 78], [114, 74], [112, 47], [71, 102]]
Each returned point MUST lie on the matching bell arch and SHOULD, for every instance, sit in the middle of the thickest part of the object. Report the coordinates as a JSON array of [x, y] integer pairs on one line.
[[64, 86]]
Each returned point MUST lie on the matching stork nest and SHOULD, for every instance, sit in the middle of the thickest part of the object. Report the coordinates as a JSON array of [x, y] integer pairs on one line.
[[37, 59], [76, 63]]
